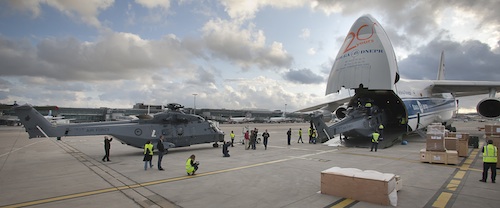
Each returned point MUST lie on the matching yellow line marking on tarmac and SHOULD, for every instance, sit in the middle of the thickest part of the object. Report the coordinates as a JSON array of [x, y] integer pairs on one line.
[[442, 200], [444, 197], [88, 193], [343, 203], [460, 174], [453, 185], [59, 198], [474, 169]]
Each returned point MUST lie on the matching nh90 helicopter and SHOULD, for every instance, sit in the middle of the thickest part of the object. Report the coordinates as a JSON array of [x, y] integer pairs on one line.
[[179, 129]]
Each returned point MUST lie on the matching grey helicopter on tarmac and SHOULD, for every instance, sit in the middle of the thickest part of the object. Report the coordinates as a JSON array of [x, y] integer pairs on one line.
[[179, 129]]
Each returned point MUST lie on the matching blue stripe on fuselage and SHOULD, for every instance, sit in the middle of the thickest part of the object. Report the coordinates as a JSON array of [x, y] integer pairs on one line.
[[428, 106]]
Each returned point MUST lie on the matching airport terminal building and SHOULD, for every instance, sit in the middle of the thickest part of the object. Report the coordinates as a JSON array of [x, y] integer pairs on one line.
[[82, 115]]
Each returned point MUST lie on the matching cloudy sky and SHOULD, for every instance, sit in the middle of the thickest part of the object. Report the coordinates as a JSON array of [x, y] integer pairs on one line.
[[233, 54]]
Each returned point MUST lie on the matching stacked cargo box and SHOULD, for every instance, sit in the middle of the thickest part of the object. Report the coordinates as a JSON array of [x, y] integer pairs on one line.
[[492, 132], [435, 150], [462, 142]]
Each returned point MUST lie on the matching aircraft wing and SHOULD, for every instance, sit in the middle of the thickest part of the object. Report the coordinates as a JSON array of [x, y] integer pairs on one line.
[[464, 88], [331, 106]]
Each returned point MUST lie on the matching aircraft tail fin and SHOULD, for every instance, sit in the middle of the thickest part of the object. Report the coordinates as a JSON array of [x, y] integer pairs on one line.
[[440, 75], [35, 124]]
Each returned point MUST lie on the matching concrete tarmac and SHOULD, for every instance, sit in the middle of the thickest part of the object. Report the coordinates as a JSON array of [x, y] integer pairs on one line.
[[69, 173]]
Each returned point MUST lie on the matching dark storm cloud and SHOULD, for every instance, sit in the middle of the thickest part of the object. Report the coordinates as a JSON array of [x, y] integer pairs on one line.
[[303, 76], [470, 60]]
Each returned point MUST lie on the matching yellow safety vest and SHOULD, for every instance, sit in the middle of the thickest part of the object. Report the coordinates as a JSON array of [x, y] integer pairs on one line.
[[150, 147], [189, 167], [232, 135], [300, 132], [381, 127], [368, 105], [310, 132], [490, 153], [375, 136]]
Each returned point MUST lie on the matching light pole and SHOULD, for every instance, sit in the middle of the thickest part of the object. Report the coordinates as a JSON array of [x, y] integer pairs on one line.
[[285, 111], [194, 94]]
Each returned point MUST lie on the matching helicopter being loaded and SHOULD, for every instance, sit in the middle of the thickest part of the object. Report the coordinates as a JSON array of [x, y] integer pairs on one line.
[[179, 129]]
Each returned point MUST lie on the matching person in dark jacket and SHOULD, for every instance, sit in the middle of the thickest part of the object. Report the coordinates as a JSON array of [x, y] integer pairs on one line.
[[289, 135], [253, 138], [161, 151], [225, 150], [107, 146], [265, 135]]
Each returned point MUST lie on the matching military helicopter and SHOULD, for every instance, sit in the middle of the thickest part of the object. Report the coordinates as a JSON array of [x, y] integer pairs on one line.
[[179, 129]]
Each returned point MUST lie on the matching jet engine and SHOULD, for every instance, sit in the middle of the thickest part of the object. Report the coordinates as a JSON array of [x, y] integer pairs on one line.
[[341, 112], [489, 107]]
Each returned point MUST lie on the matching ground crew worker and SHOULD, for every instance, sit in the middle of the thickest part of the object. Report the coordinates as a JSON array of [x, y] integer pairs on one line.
[[375, 136], [368, 106], [265, 135], [381, 130], [107, 146], [225, 150], [232, 138], [490, 154], [300, 136], [148, 155], [191, 165], [310, 135], [161, 151], [313, 136], [247, 140]]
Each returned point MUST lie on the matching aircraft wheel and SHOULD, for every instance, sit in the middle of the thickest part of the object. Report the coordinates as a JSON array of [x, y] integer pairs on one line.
[[215, 145]]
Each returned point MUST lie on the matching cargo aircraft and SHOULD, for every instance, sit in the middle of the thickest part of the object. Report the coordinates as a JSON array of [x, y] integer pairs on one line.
[[366, 64], [178, 128]]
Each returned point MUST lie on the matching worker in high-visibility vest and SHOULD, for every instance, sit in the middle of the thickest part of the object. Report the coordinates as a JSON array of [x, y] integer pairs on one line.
[[148, 155], [490, 154], [368, 106], [375, 136], [232, 138], [300, 136], [381, 130], [191, 165]]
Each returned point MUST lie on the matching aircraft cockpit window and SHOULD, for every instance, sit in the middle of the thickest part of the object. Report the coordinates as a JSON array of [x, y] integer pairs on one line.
[[213, 125]]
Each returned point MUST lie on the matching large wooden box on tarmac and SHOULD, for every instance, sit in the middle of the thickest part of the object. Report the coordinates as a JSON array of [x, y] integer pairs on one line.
[[435, 138], [438, 147], [463, 142], [368, 185], [490, 130], [449, 157]]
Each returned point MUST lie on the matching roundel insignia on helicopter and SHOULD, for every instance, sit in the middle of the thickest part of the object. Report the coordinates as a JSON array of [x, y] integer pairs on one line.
[[164, 132], [138, 132]]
